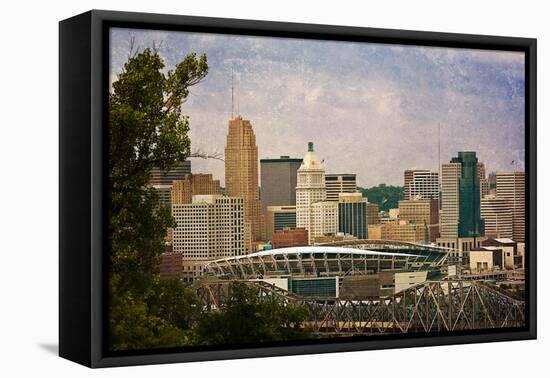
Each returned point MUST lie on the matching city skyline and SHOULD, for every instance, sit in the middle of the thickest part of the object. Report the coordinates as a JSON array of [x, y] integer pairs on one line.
[[295, 91]]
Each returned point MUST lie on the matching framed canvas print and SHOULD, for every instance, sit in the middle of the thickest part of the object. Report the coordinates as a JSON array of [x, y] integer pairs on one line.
[[233, 188]]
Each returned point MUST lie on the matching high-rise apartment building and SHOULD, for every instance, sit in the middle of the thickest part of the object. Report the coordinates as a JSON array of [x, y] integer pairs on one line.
[[460, 202], [161, 180], [241, 171], [497, 214], [211, 227], [340, 183], [182, 191], [422, 212], [278, 181], [279, 218], [511, 186], [420, 184], [352, 215]]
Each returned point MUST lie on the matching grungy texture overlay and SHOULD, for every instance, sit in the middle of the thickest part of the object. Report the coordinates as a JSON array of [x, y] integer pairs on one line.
[[371, 109]]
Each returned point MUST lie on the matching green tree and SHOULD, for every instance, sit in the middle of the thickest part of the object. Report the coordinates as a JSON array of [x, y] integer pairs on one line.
[[146, 129], [248, 318], [385, 196]]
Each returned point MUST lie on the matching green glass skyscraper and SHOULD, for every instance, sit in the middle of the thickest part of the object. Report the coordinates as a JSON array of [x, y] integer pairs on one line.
[[470, 223]]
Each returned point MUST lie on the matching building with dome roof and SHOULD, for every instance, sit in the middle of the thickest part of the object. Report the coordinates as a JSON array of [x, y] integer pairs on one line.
[[313, 212]]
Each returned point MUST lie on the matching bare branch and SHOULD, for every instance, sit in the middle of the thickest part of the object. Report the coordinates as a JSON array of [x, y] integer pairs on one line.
[[156, 48], [199, 154], [132, 43]]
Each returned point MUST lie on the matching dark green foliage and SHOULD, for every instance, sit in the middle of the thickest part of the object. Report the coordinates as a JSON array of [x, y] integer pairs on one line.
[[248, 319], [386, 197], [146, 130]]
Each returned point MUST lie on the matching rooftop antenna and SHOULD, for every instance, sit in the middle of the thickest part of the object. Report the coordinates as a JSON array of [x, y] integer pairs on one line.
[[232, 107], [439, 146], [439, 161]]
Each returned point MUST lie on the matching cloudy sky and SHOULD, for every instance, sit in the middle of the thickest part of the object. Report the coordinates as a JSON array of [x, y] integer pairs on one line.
[[370, 109]]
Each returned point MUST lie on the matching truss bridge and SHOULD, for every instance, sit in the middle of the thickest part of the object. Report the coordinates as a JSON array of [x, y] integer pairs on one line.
[[431, 306]]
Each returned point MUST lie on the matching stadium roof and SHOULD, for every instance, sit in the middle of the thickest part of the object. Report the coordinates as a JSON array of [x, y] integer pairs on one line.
[[316, 249], [316, 261]]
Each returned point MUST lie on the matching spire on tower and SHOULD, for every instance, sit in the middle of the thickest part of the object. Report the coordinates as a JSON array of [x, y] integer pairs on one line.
[[232, 107]]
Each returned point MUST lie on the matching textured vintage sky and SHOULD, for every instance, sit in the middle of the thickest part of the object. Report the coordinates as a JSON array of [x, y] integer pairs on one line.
[[370, 109]]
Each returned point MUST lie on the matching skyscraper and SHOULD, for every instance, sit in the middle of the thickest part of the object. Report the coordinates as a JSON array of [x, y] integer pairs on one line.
[[497, 214], [161, 180], [422, 212], [449, 215], [483, 181], [340, 183], [165, 177], [352, 215], [278, 181], [279, 218], [460, 212], [420, 184], [511, 186], [210, 227], [373, 215], [309, 190], [194, 184], [241, 171], [324, 216]]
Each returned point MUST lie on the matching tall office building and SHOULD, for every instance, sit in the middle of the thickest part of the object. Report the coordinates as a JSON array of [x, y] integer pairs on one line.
[[310, 189], [481, 170], [483, 180], [279, 218], [165, 177], [373, 213], [422, 212], [460, 203], [324, 216], [340, 183], [211, 227], [497, 214], [241, 171], [161, 180], [420, 184], [194, 184], [352, 215], [407, 179], [278, 181], [448, 219], [398, 230], [511, 186]]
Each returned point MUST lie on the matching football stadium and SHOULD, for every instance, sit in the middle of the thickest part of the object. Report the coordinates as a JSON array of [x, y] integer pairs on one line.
[[350, 269]]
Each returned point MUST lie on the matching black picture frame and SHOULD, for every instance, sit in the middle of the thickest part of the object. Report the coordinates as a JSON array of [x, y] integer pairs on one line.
[[83, 85]]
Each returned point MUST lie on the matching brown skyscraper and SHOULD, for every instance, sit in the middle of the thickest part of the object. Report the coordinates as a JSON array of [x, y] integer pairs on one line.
[[241, 171]]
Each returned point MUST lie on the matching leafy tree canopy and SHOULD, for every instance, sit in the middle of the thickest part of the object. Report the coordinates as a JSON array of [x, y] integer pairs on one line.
[[247, 318], [385, 196], [146, 129]]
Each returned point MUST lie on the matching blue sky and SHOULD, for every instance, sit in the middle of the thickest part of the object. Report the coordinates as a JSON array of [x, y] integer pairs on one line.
[[370, 109]]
